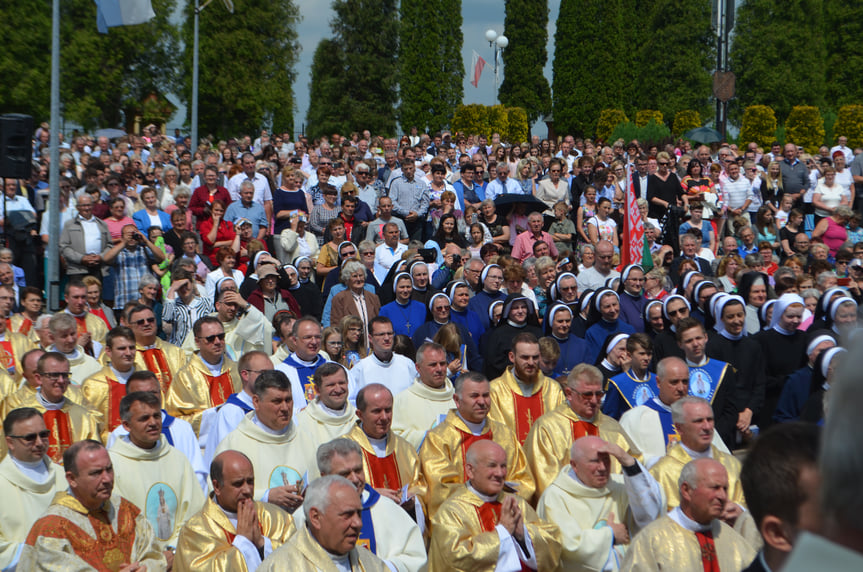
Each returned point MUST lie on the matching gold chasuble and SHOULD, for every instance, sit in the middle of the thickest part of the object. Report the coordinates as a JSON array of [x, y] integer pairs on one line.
[[103, 392], [419, 408], [464, 535], [666, 545], [277, 459], [550, 440], [92, 324], [302, 553], [161, 482], [27, 392], [69, 537], [323, 427], [400, 466], [8, 386], [667, 470], [23, 325], [195, 389], [68, 424], [24, 500], [442, 458], [518, 411], [164, 359], [12, 348], [205, 542]]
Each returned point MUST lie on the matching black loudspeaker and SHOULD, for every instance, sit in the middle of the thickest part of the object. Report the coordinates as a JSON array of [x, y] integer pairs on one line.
[[16, 147]]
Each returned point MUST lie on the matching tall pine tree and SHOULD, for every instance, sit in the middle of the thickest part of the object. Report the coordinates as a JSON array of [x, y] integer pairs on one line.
[[430, 64], [326, 113], [246, 66], [524, 84], [778, 55], [844, 22]]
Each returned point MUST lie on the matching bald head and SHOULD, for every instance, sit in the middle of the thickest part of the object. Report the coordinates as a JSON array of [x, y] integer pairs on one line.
[[590, 460], [481, 449], [233, 479]]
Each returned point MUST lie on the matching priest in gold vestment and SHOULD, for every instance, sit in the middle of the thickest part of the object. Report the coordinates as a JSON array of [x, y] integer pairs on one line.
[[523, 394], [27, 391], [207, 380], [442, 455], [328, 541], [88, 528], [692, 537], [13, 346], [28, 481], [549, 441], [152, 353], [482, 528], [428, 400], [233, 532], [106, 389]]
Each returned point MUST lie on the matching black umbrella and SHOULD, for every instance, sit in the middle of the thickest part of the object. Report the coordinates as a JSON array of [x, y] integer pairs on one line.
[[704, 135], [504, 203]]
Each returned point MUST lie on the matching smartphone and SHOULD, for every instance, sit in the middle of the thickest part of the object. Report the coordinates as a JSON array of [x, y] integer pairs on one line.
[[843, 282]]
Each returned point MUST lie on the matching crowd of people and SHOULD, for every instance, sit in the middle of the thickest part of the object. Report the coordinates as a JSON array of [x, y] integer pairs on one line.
[[370, 353]]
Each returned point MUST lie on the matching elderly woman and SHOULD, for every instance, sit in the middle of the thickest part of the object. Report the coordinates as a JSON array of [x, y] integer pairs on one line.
[[268, 297], [170, 184], [356, 300]]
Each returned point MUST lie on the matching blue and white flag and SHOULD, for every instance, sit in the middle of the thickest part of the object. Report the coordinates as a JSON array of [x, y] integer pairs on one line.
[[111, 13]]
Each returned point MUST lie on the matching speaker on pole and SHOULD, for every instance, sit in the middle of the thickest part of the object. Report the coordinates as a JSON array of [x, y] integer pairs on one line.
[[16, 149]]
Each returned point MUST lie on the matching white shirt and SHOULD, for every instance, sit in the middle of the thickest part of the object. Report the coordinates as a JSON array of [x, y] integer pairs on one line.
[[397, 374], [92, 235], [385, 257], [262, 187]]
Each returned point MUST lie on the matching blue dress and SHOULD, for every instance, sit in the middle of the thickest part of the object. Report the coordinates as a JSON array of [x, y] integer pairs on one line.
[[597, 333], [405, 318]]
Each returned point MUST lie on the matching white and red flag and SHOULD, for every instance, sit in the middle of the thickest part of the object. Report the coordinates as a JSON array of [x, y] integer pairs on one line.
[[477, 63]]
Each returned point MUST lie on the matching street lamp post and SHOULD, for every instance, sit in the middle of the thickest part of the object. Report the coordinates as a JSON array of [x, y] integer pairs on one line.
[[229, 6], [498, 43]]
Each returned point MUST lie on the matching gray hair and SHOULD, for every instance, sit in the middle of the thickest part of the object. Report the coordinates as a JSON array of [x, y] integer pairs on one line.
[[677, 413], [810, 293], [6, 251], [473, 376], [170, 169], [318, 493], [349, 268], [542, 263], [147, 280], [428, 347], [341, 447], [823, 277], [42, 321], [688, 475], [247, 184]]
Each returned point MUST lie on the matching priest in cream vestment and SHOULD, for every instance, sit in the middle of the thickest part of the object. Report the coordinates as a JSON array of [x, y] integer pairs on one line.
[[329, 415], [233, 532]]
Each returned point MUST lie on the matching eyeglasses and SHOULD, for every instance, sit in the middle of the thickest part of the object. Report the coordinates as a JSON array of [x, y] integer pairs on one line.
[[383, 334], [30, 438], [213, 338], [57, 374], [368, 253], [143, 321], [554, 170], [350, 253], [589, 394], [663, 163]]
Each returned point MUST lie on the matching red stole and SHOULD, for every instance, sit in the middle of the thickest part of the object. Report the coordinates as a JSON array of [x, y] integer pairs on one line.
[[154, 359], [527, 410], [116, 392], [468, 439], [57, 422], [583, 429], [489, 515], [82, 323], [7, 356], [26, 324], [108, 550], [221, 387], [709, 559], [384, 471]]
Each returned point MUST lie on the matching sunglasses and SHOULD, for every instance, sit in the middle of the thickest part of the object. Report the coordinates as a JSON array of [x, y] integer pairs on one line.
[[143, 321], [30, 438], [213, 338], [590, 394], [57, 374]]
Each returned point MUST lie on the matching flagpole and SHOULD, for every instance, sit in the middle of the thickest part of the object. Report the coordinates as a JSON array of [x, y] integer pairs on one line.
[[195, 84], [54, 176]]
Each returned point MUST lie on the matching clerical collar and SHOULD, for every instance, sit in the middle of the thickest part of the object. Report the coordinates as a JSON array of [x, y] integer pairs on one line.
[[483, 497], [332, 412], [50, 406], [232, 516], [659, 402], [702, 363], [475, 428], [35, 471], [301, 361], [215, 368], [71, 356], [680, 518], [123, 377], [342, 562], [266, 429], [378, 445], [383, 361], [706, 454], [81, 315], [515, 324], [150, 347]]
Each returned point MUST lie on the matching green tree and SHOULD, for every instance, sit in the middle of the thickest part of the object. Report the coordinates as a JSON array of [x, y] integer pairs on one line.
[[430, 64], [103, 77], [524, 85], [247, 64], [778, 54], [843, 23], [671, 84], [326, 112], [594, 35]]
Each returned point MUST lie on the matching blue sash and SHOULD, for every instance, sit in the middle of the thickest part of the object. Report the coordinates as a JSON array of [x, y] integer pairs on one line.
[[367, 534], [635, 391], [306, 374], [166, 427], [704, 381], [234, 400], [669, 433]]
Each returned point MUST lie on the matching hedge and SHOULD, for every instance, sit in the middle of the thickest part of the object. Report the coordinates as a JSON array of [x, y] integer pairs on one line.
[[608, 120], [759, 125], [510, 122], [684, 121], [805, 127], [644, 116], [850, 124]]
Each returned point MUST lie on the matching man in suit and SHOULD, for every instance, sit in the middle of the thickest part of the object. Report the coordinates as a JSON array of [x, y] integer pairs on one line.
[[689, 246]]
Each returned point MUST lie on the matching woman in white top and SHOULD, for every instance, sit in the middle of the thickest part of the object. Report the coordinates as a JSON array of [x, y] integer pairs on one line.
[[829, 194], [601, 226], [554, 188], [843, 175]]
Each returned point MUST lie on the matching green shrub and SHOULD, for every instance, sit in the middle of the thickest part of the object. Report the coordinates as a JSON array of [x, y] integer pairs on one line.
[[608, 120], [518, 128], [644, 116], [651, 134], [850, 124], [805, 127], [510, 122], [684, 121], [759, 125]]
